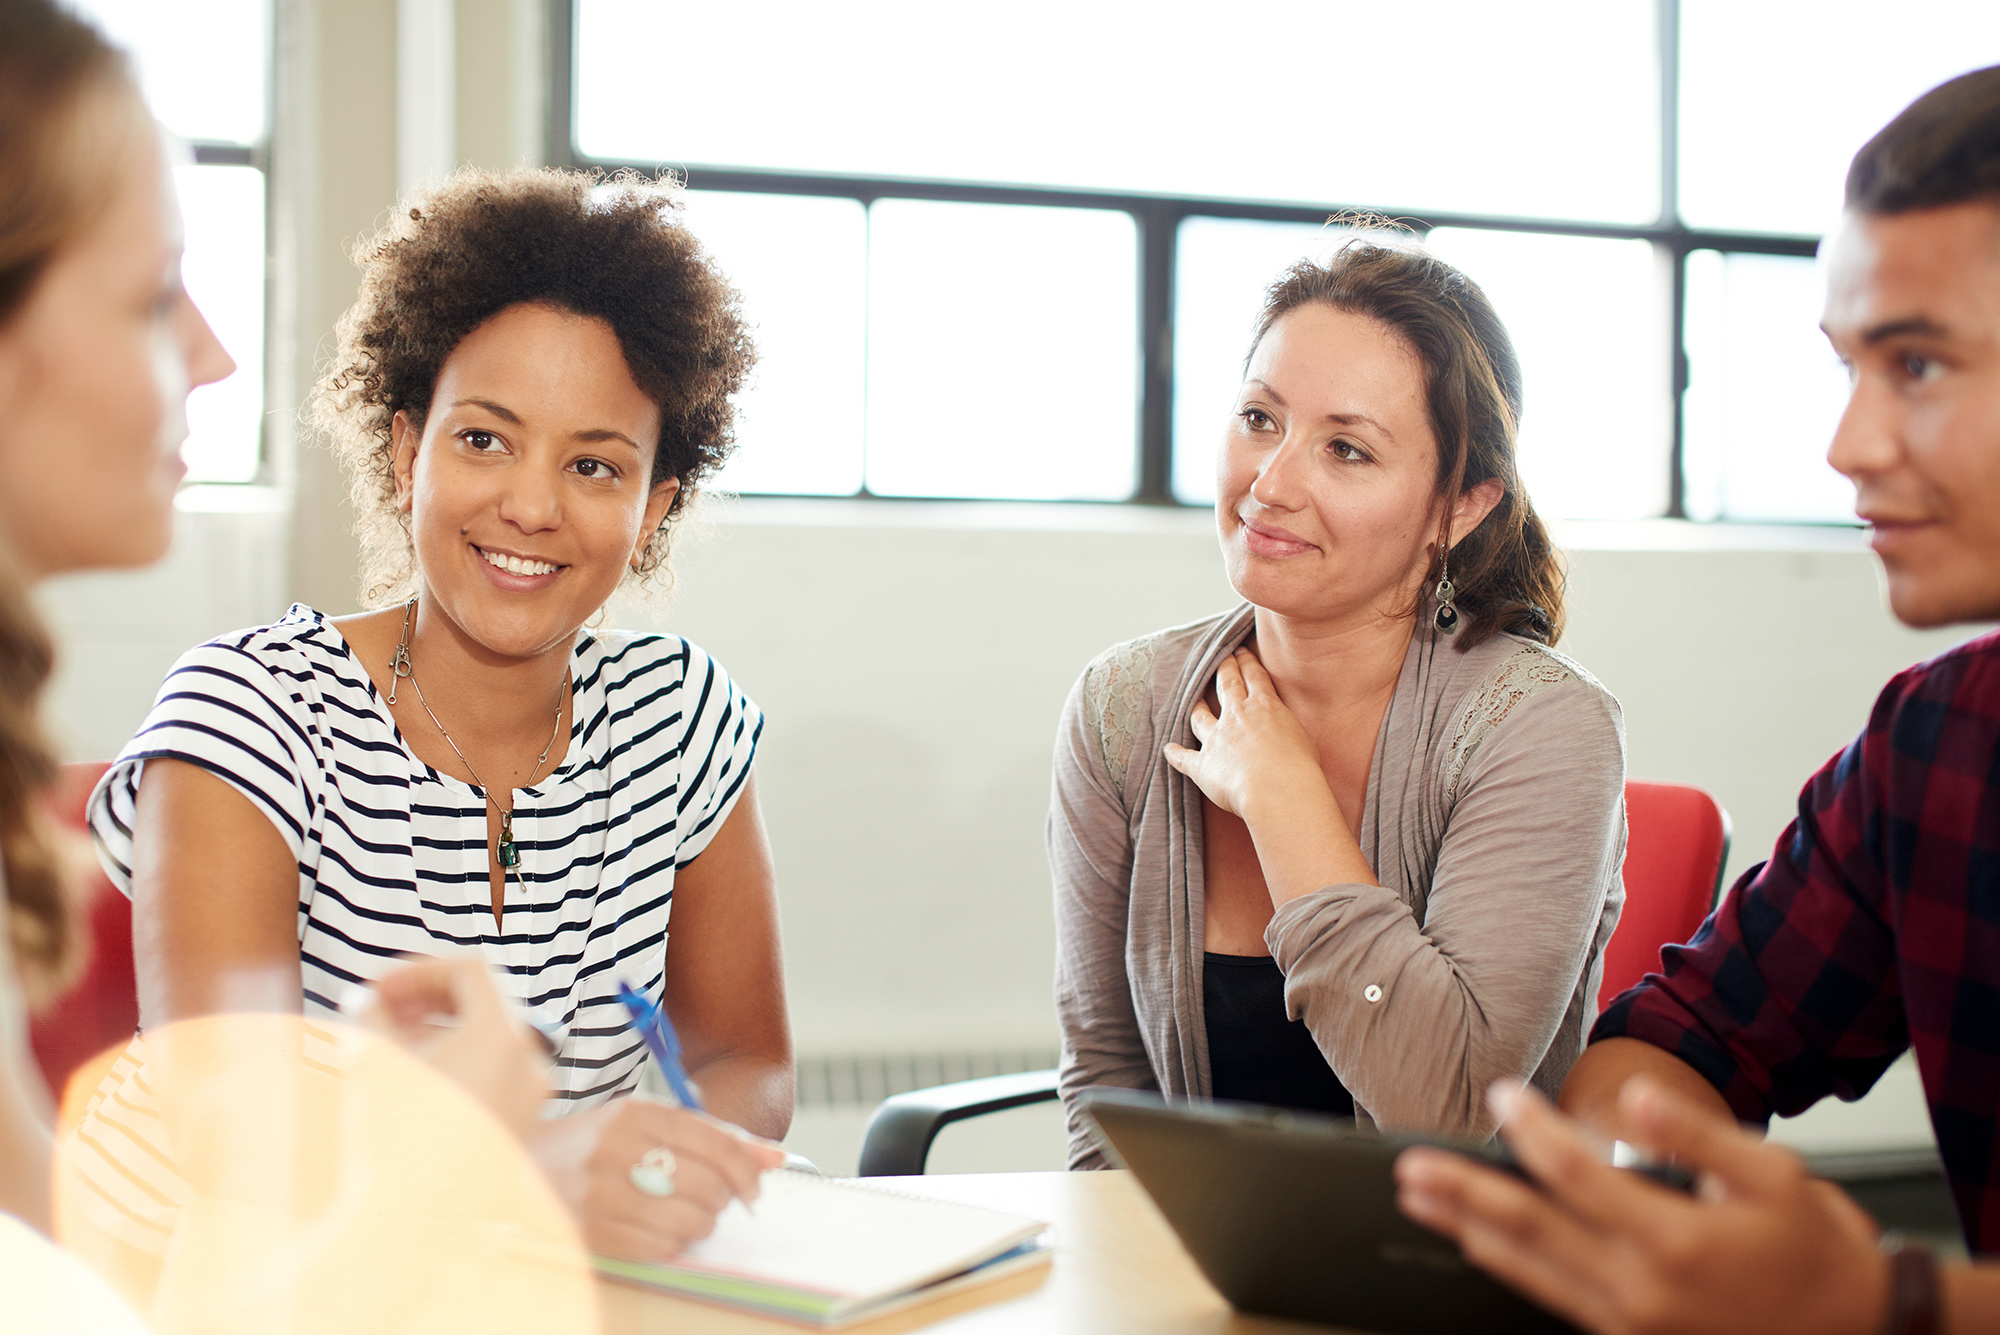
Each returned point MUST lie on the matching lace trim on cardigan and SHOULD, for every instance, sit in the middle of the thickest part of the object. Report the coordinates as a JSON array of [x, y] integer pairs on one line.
[[1529, 670], [1114, 690]]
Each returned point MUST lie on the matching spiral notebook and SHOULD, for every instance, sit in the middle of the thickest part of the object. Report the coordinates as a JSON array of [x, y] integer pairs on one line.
[[829, 1252]]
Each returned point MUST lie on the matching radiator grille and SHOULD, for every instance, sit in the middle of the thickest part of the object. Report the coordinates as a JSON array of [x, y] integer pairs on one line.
[[864, 1080]]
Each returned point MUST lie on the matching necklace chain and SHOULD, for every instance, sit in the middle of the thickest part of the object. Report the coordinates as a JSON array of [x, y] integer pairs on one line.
[[400, 670]]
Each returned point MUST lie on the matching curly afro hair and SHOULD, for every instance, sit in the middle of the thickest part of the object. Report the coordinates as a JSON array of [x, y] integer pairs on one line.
[[457, 254]]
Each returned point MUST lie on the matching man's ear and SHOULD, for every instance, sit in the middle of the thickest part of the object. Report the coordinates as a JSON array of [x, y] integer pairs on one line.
[[662, 496], [404, 439], [1474, 504]]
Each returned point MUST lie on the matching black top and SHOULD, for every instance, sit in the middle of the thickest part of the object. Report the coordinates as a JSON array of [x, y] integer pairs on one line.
[[1256, 1054]]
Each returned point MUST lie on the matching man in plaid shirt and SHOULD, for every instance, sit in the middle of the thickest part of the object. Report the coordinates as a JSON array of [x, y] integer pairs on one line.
[[1875, 926]]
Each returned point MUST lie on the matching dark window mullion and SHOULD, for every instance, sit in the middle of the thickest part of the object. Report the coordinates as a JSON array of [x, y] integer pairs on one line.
[[1678, 384], [1668, 16], [560, 128], [1159, 238]]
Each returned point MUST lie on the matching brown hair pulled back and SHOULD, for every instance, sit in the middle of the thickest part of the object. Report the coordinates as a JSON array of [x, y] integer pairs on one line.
[[1508, 574], [65, 98], [461, 252]]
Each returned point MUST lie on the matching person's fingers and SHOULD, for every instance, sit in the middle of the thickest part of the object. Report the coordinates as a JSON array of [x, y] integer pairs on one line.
[[473, 998], [1201, 722], [631, 1241], [653, 1234], [421, 989], [1669, 1127], [1229, 686], [415, 989], [1183, 760], [1847, 1214], [1570, 1167], [689, 1133], [1256, 681], [1509, 1230], [1532, 1272], [694, 1180], [769, 1153]]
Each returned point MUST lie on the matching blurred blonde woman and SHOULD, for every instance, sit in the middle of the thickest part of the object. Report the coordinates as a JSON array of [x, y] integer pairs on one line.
[[99, 348]]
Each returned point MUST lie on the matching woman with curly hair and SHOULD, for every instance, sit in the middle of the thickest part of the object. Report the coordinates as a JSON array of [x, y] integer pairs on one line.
[[535, 379], [1354, 846]]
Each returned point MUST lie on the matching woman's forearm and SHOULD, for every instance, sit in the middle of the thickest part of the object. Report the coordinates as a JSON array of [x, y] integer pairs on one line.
[[1971, 1298], [1304, 843], [748, 1090]]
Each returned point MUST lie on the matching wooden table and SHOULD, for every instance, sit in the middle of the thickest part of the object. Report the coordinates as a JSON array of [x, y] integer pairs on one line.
[[1118, 1269]]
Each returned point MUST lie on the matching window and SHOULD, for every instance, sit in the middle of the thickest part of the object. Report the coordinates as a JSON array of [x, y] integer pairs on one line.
[[1764, 392], [1018, 252], [205, 72]]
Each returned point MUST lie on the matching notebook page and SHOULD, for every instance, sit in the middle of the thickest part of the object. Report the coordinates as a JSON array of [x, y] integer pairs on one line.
[[849, 1240]]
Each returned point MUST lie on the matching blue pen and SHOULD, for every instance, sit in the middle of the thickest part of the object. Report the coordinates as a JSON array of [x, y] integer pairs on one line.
[[658, 1032]]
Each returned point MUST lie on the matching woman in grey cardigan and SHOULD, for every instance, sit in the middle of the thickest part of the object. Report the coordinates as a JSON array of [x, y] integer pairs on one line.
[[1356, 844]]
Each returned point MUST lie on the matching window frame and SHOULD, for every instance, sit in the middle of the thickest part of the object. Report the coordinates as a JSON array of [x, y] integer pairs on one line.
[[1158, 218], [211, 153]]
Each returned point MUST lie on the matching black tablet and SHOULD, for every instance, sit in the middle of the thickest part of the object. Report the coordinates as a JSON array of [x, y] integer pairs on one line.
[[1294, 1215]]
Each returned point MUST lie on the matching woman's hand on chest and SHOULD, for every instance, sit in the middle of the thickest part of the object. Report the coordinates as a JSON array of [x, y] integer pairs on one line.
[[1256, 759], [1257, 762]]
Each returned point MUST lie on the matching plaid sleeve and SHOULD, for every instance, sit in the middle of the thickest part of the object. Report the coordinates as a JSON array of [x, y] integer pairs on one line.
[[1791, 990]]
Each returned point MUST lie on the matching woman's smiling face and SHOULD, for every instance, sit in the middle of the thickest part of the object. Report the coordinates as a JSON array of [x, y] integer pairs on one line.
[[1327, 480], [529, 489]]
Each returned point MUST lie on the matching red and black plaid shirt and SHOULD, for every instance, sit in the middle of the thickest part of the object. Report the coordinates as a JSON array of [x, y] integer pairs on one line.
[[1874, 927]]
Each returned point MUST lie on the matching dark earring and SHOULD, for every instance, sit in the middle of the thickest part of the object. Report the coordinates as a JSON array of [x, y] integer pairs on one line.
[[1447, 614]]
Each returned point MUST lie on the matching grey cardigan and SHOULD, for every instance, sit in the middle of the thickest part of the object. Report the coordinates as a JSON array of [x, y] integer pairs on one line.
[[1495, 821]]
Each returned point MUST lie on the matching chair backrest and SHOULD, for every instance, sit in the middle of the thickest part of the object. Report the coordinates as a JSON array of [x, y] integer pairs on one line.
[[1677, 840], [102, 1009]]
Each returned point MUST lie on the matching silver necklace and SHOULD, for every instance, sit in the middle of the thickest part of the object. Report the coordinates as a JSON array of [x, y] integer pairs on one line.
[[504, 852]]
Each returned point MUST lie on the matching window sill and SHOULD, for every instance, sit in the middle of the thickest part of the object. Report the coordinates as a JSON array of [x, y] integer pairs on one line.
[[1635, 535], [231, 498]]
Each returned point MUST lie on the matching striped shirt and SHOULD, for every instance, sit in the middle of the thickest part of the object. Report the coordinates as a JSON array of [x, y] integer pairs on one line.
[[393, 855]]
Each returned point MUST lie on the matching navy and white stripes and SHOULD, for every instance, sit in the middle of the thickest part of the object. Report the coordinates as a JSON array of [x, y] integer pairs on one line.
[[393, 856]]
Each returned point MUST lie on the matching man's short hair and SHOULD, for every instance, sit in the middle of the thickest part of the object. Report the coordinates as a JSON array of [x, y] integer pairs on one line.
[[1944, 148]]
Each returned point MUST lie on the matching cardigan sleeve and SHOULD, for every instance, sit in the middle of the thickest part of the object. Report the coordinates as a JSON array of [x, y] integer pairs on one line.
[[1417, 1018], [1090, 862]]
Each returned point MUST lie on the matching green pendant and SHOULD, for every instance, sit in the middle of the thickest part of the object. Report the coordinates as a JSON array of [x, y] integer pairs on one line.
[[508, 855]]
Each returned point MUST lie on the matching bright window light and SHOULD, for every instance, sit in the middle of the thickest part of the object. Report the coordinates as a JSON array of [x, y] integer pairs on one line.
[[1224, 266], [1588, 318], [223, 267], [1002, 351], [201, 62], [1548, 111], [203, 66], [1765, 139], [1764, 392], [1585, 317], [801, 263]]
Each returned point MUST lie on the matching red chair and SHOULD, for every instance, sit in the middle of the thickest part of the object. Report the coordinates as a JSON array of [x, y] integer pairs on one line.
[[102, 1009], [1677, 841]]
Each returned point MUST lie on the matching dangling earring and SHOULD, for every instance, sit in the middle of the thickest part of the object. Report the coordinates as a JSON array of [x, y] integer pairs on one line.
[[1447, 615]]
